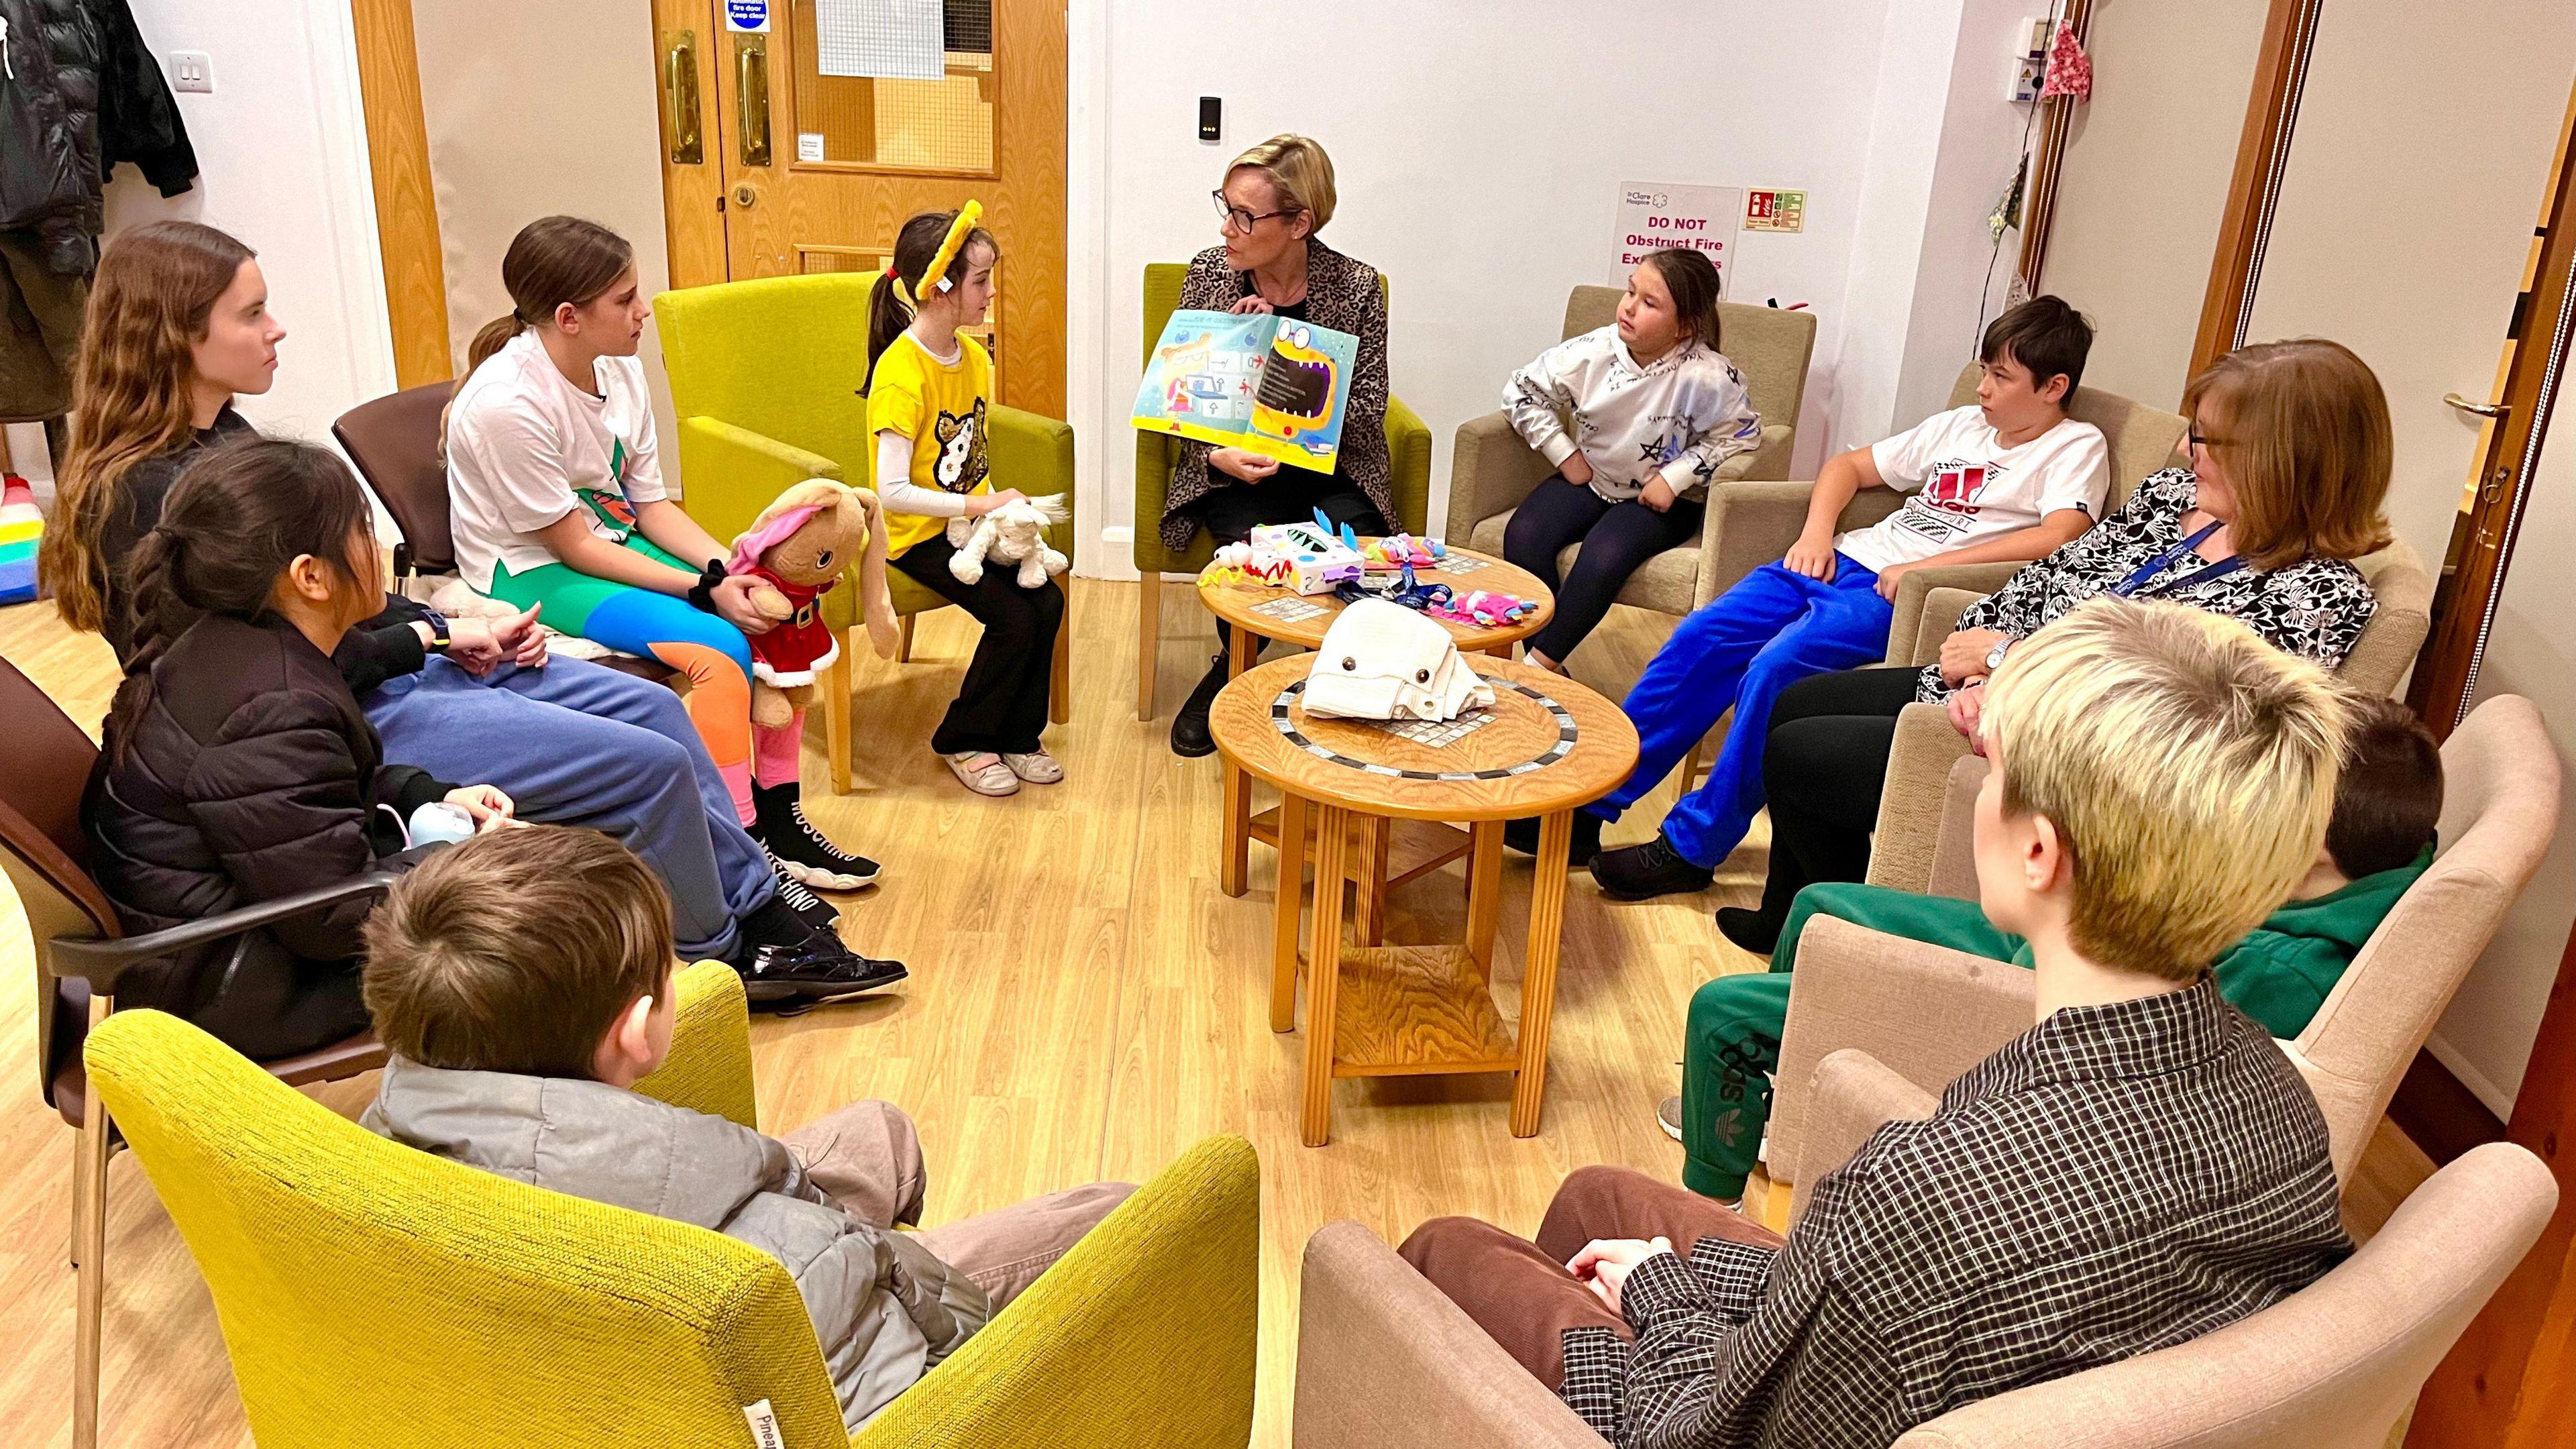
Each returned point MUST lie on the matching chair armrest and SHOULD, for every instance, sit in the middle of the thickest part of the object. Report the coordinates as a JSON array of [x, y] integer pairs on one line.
[[1142, 1334], [1768, 461], [1954, 852], [1926, 1013], [709, 1066], [1914, 799], [103, 963], [1386, 1361], [1034, 454], [1750, 524], [1490, 471], [730, 473], [1851, 1095], [1914, 636], [1408, 452]]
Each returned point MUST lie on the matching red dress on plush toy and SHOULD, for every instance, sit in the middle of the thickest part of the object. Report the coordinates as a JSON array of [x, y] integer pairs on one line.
[[798, 645]]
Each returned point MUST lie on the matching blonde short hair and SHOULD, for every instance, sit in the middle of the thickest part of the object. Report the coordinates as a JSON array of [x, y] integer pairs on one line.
[[2188, 767], [1298, 170]]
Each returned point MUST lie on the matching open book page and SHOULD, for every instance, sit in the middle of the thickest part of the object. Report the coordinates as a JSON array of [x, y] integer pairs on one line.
[[1270, 385]]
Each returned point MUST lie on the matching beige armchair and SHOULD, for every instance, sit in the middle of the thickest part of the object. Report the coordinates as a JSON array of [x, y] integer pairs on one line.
[[1493, 470], [1930, 1014], [1386, 1361], [1927, 744]]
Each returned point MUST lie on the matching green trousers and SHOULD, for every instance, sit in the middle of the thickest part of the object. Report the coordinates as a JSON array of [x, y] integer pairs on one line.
[[1733, 1041]]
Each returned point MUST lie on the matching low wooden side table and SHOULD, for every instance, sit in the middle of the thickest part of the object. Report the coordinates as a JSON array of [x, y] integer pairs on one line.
[[1388, 854], [1547, 746]]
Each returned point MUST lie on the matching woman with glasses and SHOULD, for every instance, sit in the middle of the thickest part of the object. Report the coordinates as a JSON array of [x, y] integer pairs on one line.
[[1276, 197], [2290, 457]]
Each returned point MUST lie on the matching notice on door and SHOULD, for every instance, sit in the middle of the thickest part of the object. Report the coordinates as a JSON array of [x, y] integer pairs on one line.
[[1652, 215], [747, 16]]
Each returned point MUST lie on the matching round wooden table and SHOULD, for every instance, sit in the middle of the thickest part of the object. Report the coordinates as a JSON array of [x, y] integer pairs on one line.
[[1547, 746], [1389, 855]]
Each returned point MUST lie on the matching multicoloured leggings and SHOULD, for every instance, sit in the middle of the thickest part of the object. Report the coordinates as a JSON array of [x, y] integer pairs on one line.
[[713, 653]]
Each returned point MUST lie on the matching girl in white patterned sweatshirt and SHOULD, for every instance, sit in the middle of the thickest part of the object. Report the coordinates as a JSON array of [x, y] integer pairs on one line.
[[1636, 417]]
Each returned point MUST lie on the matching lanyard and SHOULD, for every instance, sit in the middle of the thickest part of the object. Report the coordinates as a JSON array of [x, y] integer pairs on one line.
[[2163, 561]]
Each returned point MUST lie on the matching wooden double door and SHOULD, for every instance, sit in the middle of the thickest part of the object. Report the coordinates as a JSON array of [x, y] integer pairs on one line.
[[797, 135]]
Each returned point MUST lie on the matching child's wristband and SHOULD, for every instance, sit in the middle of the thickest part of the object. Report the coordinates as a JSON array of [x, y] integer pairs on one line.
[[702, 594]]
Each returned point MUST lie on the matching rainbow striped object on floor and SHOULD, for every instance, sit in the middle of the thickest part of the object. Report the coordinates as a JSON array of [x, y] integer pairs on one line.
[[21, 528]]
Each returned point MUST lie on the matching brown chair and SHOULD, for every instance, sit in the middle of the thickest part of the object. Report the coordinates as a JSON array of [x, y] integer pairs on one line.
[[82, 952], [394, 440]]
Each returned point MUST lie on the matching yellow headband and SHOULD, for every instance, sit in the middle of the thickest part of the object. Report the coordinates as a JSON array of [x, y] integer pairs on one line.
[[967, 215]]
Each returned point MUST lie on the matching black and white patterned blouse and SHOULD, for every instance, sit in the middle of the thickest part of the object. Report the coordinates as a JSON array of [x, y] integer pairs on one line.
[[2116, 1180], [2314, 608]]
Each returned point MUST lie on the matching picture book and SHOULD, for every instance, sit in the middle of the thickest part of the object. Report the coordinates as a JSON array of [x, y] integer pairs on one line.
[[1267, 384]]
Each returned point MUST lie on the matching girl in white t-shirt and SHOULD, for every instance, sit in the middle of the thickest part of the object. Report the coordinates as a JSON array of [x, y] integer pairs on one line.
[[2009, 478], [1636, 417], [555, 486]]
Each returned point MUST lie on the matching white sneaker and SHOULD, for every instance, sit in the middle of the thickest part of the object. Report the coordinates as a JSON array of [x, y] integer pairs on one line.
[[1037, 766], [1669, 1114], [983, 772]]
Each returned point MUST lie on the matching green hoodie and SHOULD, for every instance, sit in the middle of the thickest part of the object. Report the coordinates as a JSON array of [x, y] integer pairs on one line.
[[2286, 967]]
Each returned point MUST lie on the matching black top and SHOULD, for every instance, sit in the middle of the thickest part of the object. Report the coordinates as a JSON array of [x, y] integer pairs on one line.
[[2115, 1180], [244, 774], [382, 648]]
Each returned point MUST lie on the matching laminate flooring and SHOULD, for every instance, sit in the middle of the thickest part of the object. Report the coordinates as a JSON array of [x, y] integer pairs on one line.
[[1085, 1003]]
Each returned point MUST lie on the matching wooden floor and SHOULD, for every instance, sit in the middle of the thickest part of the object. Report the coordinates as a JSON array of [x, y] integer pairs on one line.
[[1084, 1004]]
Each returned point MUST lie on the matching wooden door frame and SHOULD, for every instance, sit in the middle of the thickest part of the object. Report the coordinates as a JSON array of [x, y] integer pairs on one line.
[[2039, 205], [2254, 192], [406, 207]]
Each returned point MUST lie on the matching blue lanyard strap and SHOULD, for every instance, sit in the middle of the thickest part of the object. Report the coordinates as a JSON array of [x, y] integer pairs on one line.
[[2174, 555]]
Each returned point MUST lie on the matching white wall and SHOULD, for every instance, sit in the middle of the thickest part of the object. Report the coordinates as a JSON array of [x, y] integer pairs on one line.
[[534, 110], [2145, 183], [1477, 154], [282, 144]]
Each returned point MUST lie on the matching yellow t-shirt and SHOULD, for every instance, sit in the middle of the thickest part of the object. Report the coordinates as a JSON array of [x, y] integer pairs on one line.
[[941, 406]]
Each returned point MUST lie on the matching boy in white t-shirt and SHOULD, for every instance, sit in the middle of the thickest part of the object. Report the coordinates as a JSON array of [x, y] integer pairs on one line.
[[2008, 479]]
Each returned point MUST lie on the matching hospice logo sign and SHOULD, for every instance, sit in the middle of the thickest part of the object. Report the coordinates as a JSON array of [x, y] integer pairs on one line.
[[1651, 215]]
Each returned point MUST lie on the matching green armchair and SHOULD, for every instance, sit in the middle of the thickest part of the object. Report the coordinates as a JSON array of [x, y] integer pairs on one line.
[[765, 377], [1408, 442]]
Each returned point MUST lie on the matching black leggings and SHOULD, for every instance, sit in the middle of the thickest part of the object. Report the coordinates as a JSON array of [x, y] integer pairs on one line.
[[1616, 538], [1002, 707], [1824, 765]]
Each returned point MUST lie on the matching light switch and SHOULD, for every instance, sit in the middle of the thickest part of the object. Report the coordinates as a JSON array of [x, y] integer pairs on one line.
[[192, 70]]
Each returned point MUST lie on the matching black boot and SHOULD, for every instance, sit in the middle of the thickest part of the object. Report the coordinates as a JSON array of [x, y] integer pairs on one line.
[[1190, 737], [797, 849], [1522, 835], [1752, 930], [1643, 872]]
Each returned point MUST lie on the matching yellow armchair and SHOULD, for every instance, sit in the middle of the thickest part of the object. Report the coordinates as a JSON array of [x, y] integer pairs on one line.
[[765, 377], [371, 1294], [1408, 441]]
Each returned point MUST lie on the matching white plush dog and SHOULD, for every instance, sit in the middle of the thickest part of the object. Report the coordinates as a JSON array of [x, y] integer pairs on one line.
[[1012, 533]]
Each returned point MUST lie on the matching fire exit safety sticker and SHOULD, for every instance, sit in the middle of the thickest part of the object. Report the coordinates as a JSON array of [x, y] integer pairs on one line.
[[1775, 211], [747, 15]]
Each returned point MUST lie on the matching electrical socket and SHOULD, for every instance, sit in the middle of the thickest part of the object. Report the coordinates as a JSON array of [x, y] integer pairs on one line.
[[192, 70]]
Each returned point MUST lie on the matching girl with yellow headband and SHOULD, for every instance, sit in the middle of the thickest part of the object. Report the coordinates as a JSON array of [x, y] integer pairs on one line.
[[930, 391]]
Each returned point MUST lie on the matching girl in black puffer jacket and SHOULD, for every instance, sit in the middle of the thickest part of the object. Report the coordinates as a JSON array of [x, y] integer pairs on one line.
[[236, 767]]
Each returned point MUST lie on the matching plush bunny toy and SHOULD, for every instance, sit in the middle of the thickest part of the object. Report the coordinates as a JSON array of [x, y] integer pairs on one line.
[[1012, 533], [798, 548]]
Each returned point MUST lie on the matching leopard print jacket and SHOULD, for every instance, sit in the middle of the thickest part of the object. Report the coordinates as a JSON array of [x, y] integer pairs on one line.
[[1341, 293]]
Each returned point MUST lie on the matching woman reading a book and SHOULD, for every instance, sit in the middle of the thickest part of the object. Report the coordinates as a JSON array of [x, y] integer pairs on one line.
[[1276, 197]]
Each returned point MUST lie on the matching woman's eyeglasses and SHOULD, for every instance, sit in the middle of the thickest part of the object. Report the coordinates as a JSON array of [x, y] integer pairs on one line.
[[1235, 216]]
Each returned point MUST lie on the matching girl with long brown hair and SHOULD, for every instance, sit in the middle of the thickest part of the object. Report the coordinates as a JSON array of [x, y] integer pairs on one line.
[[556, 481], [178, 324]]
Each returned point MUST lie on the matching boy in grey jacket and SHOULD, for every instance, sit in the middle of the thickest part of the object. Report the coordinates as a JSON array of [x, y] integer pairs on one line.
[[516, 1052]]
